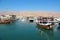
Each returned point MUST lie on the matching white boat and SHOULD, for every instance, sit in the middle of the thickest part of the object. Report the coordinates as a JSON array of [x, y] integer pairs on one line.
[[57, 20]]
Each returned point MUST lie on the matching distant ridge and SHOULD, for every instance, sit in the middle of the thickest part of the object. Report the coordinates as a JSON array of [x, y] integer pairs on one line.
[[31, 13]]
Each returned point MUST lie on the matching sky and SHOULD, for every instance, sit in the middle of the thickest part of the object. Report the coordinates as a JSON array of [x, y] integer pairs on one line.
[[30, 5]]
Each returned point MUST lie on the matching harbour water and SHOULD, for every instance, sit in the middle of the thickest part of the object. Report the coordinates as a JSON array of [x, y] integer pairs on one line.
[[27, 31]]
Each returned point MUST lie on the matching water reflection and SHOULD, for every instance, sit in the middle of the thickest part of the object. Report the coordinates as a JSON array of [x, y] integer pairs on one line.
[[58, 27], [46, 34]]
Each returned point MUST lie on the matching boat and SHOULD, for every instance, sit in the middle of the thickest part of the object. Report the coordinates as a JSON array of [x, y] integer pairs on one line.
[[45, 22], [58, 21], [5, 19], [31, 19]]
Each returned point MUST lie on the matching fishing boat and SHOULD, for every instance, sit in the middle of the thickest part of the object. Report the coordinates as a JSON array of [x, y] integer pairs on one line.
[[5, 19], [45, 22]]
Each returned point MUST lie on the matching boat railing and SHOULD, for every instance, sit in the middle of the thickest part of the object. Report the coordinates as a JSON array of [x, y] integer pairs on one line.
[[49, 21]]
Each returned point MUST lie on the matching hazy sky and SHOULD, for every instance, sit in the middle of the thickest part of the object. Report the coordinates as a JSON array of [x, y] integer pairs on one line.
[[30, 5]]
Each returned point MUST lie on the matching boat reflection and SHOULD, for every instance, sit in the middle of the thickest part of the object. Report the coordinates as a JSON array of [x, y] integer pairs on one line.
[[58, 27], [46, 34]]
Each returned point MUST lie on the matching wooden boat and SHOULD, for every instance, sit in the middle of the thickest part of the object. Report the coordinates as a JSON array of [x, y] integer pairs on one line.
[[45, 22], [6, 19]]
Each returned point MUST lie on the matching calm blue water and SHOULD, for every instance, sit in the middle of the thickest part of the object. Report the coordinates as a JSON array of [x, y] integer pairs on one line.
[[26, 31]]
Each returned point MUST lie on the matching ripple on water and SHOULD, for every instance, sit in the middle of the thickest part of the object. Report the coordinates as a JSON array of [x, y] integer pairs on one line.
[[26, 31]]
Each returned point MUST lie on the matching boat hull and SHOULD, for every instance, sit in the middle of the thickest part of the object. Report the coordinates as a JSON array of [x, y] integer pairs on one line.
[[5, 22], [46, 26]]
